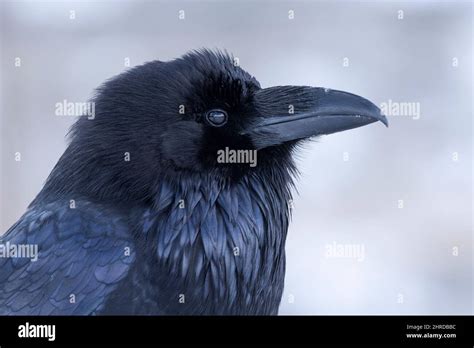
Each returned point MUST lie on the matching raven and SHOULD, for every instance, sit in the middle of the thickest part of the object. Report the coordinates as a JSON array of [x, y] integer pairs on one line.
[[140, 217]]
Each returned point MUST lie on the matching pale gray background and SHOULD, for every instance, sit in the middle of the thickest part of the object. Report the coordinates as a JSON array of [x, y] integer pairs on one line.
[[407, 251]]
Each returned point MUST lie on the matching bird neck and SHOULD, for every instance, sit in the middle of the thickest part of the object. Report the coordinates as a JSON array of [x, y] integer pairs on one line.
[[97, 176], [220, 242]]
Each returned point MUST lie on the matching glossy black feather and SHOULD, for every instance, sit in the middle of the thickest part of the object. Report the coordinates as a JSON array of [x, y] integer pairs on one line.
[[84, 253]]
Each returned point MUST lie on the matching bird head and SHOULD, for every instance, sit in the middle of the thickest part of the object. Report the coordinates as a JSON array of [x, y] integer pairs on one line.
[[176, 116]]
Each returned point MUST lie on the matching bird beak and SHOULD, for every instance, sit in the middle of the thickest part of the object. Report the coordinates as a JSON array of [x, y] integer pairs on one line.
[[288, 113]]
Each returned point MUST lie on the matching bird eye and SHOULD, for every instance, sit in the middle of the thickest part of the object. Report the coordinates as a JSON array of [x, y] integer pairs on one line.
[[216, 118]]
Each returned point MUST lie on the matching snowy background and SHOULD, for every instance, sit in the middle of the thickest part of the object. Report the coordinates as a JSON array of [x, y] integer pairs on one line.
[[404, 193]]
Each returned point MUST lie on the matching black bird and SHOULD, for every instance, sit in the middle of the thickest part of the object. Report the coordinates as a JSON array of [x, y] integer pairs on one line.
[[140, 217]]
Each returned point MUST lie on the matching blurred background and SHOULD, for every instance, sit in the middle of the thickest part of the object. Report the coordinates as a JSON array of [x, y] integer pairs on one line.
[[402, 195]]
